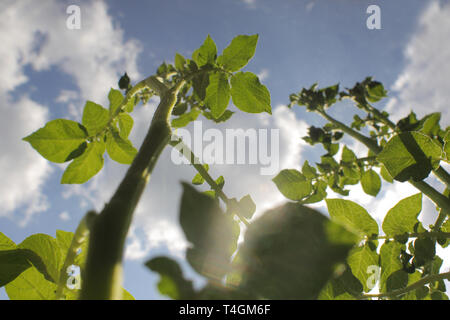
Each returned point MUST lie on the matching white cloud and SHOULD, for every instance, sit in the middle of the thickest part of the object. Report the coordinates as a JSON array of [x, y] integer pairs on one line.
[[23, 171], [64, 216], [263, 74], [423, 84], [37, 37]]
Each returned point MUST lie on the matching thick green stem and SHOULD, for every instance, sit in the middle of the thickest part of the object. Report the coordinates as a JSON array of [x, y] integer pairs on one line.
[[103, 278], [415, 285], [78, 239]]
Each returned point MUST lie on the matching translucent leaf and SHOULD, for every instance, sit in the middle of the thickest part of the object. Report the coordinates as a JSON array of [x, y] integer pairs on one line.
[[371, 182], [119, 149], [186, 118], [58, 139], [180, 62], [31, 285], [359, 260], [392, 275], [352, 216], [217, 94], [248, 94], [348, 155], [292, 184], [410, 155], [115, 98], [206, 54], [95, 117], [125, 125], [86, 166], [48, 250], [403, 216], [238, 53]]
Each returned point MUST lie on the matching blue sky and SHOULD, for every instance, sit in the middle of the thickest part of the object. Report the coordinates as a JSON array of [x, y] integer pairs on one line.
[[49, 72]]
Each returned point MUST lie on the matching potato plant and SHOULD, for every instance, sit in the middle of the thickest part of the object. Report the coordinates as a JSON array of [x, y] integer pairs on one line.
[[289, 252]]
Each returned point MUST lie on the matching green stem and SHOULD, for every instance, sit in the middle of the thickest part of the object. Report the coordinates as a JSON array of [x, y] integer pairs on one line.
[[369, 143], [103, 278], [415, 285], [81, 233], [440, 200], [443, 175], [184, 149], [440, 219], [419, 235]]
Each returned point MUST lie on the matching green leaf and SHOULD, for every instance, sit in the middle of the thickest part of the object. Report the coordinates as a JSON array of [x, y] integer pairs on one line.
[[12, 264], [186, 118], [375, 91], [392, 275], [447, 146], [172, 282], [289, 253], [115, 98], [86, 166], [31, 285], [424, 251], [308, 171], [206, 54], [95, 117], [340, 288], [238, 53], [64, 240], [292, 184], [180, 62], [385, 174], [6, 243], [58, 139], [371, 182], [359, 260], [125, 125], [403, 216], [48, 251], [352, 216], [410, 155], [431, 124], [200, 82], [348, 155], [119, 149], [213, 234], [198, 179], [247, 207], [218, 94], [319, 193], [224, 117], [248, 94]]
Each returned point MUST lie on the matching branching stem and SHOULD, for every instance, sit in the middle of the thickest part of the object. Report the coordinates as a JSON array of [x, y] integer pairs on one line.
[[415, 285], [103, 280]]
